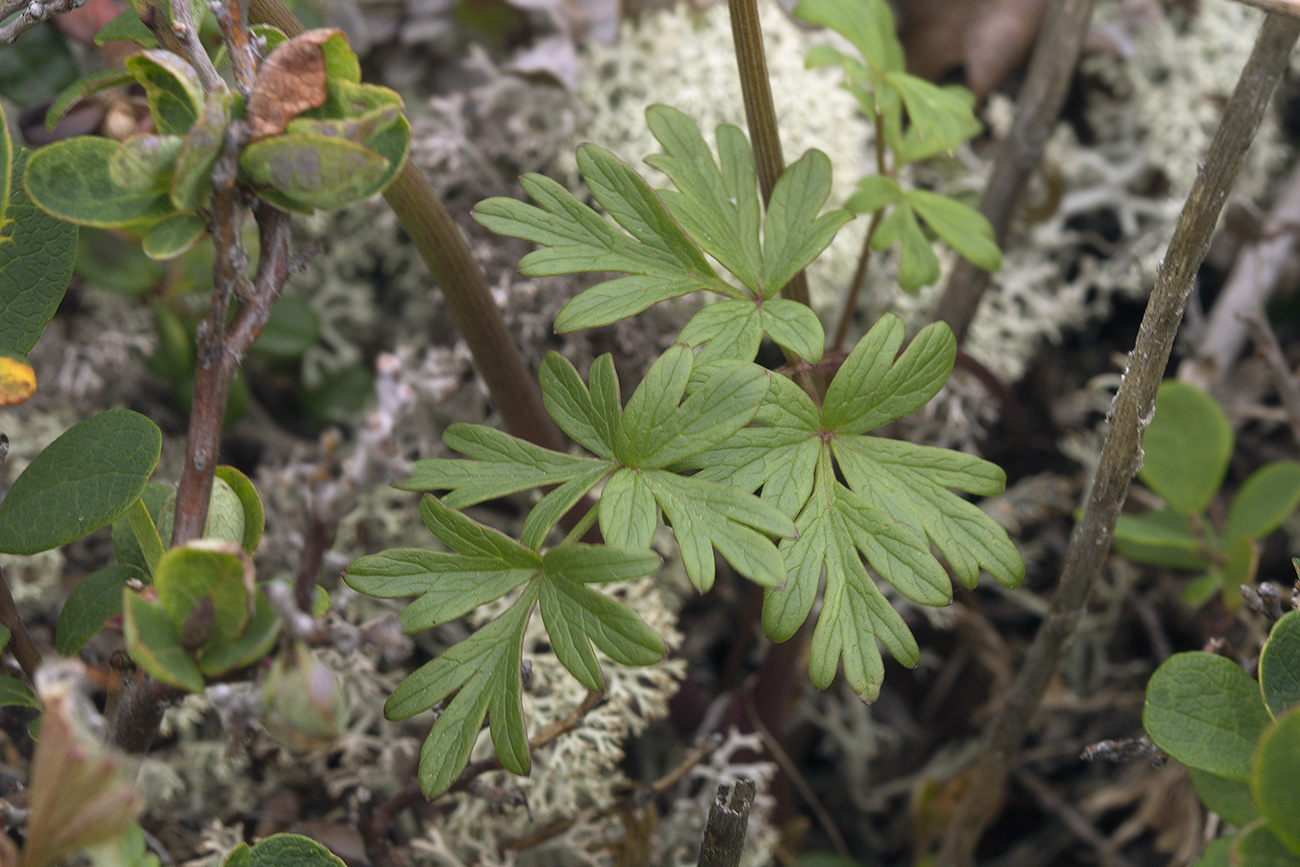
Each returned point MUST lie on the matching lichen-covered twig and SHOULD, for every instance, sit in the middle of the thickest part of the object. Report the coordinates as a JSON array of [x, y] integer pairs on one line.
[[1131, 411], [724, 833], [1284, 379], [1046, 82], [36, 11]]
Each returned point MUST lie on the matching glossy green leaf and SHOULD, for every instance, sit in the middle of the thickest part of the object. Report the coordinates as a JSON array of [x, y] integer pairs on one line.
[[205, 569], [1231, 799], [1264, 501], [1279, 665], [154, 643], [191, 181], [964, 228], [254, 517], [1204, 711], [258, 639], [314, 171], [1260, 847], [84, 87], [13, 692], [1274, 772], [173, 236], [172, 88], [1186, 447], [86, 478], [70, 179], [290, 850], [126, 545], [126, 27], [37, 253], [90, 605]]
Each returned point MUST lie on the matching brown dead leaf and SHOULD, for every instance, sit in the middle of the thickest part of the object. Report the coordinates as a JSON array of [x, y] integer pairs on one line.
[[987, 39], [290, 81]]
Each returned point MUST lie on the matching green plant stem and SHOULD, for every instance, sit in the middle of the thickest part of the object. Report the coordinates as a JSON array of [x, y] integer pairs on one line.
[[585, 523], [855, 286], [1046, 83], [20, 642], [760, 113], [514, 389], [1131, 411]]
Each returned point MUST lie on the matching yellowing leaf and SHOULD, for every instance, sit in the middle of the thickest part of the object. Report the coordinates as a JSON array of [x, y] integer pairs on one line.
[[17, 382]]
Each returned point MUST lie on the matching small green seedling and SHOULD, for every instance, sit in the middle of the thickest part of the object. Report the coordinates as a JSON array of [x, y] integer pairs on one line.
[[1187, 447], [733, 458], [1240, 740]]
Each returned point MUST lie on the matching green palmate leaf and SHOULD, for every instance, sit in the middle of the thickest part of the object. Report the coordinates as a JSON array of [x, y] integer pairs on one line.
[[873, 193], [483, 670], [1264, 501], [172, 88], [1186, 447], [174, 235], [1204, 711], [37, 253], [793, 233], [868, 25], [90, 605], [732, 330], [1279, 665], [70, 179], [154, 643], [86, 478], [917, 263], [303, 172], [191, 181], [940, 118], [1231, 799], [91, 84], [1274, 772], [13, 692], [963, 227], [897, 499]]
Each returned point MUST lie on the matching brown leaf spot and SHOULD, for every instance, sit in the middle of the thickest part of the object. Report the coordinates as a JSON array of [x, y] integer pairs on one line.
[[290, 81]]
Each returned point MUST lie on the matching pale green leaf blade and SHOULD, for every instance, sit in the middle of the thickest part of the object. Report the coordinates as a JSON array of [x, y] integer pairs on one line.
[[70, 180], [1264, 501], [172, 88], [174, 235], [506, 718], [1160, 538], [628, 516], [865, 368], [1279, 665], [577, 616], [613, 300], [556, 504], [652, 405], [1204, 711], [1186, 447], [1274, 771], [874, 193], [599, 564], [568, 634], [1231, 799], [591, 419], [721, 215], [37, 252], [466, 536], [843, 629], [965, 229], [941, 117], [1260, 847], [154, 643], [191, 183], [728, 330], [126, 26], [205, 570], [725, 403], [447, 747], [449, 585], [862, 397], [968, 538], [300, 171], [895, 552], [793, 233], [917, 263], [794, 327], [83, 480], [868, 25], [786, 608]]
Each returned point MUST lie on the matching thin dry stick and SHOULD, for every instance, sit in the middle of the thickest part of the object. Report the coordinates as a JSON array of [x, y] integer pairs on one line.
[[1046, 83], [724, 833], [1131, 411], [19, 641], [1284, 379], [514, 389], [760, 113]]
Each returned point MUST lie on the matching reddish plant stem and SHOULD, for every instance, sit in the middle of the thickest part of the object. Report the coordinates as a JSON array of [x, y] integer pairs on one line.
[[20, 642]]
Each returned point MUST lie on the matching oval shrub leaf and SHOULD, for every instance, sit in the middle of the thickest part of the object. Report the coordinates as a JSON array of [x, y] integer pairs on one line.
[[191, 184], [254, 517], [70, 180], [82, 481], [1279, 665], [1264, 501], [314, 171], [1186, 447], [174, 235], [154, 643], [143, 163], [1204, 711], [90, 605], [1273, 779], [172, 88]]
